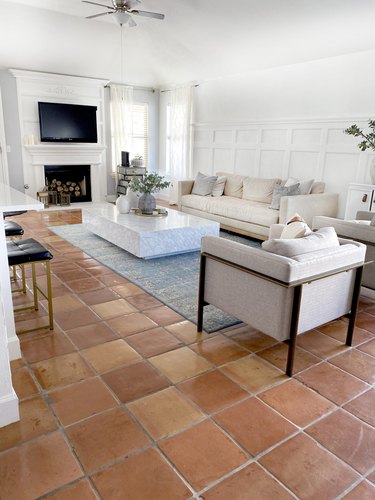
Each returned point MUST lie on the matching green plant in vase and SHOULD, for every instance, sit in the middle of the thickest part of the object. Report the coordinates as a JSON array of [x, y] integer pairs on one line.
[[147, 185], [367, 142]]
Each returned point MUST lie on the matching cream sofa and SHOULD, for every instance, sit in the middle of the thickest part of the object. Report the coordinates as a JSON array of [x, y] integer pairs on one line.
[[247, 210]]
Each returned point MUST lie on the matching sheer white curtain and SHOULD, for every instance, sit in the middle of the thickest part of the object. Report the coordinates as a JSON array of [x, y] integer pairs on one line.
[[121, 121], [181, 110]]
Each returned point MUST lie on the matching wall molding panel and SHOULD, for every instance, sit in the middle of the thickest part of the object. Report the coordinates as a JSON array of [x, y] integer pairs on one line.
[[314, 148]]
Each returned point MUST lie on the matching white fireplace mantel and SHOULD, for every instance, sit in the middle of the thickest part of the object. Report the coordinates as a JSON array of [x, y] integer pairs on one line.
[[69, 154]]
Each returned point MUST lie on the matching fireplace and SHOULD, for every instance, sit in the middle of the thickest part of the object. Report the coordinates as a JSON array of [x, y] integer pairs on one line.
[[74, 180]]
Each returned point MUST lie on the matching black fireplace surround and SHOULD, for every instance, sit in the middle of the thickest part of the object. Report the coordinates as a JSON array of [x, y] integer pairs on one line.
[[79, 174]]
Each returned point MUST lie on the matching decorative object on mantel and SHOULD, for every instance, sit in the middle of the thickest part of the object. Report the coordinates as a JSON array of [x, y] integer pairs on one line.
[[147, 185], [137, 161], [368, 142]]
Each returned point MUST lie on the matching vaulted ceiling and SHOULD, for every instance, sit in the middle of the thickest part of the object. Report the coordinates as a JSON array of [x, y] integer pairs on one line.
[[198, 40]]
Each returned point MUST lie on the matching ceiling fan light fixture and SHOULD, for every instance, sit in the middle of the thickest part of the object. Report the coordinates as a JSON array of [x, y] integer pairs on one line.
[[121, 17]]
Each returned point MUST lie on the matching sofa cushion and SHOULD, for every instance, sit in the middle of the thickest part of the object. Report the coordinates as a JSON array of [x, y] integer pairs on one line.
[[326, 237], [203, 184], [304, 186], [233, 208], [318, 187], [257, 189], [243, 210], [279, 191], [219, 186], [196, 202], [233, 185]]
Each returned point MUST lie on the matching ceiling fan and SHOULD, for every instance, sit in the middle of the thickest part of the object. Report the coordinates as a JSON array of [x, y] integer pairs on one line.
[[121, 10]]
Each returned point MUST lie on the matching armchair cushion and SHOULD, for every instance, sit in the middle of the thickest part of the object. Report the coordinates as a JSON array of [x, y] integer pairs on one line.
[[322, 239]]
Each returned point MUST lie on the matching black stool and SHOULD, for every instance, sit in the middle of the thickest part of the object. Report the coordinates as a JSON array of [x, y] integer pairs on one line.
[[13, 214], [12, 229], [29, 251]]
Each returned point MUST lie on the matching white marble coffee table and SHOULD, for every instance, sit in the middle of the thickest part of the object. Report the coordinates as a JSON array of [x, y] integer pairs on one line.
[[149, 237]]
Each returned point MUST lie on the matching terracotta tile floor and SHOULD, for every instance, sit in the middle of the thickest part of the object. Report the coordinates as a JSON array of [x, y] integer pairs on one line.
[[125, 400]]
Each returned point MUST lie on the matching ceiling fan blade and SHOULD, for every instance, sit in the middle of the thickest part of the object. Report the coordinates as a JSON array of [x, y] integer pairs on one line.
[[132, 3], [144, 13], [100, 4], [99, 15]]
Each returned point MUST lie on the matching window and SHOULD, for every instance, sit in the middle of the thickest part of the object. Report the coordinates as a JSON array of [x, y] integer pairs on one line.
[[168, 142], [140, 131], [137, 134]]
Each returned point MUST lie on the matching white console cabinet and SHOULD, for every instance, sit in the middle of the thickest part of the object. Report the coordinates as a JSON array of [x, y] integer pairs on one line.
[[360, 197]]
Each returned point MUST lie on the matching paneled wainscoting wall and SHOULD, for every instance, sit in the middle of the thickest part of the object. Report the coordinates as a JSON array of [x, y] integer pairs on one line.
[[300, 148]]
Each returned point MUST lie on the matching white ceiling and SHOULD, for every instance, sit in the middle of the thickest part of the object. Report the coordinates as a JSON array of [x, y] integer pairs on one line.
[[198, 40]]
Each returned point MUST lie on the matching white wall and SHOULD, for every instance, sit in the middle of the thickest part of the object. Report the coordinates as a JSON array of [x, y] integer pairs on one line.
[[287, 121], [12, 129], [335, 87]]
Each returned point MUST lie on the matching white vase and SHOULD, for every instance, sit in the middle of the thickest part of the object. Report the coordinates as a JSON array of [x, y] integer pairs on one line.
[[372, 171], [133, 198], [123, 204]]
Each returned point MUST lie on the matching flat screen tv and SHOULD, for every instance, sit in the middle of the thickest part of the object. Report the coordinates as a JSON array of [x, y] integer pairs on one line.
[[60, 122]]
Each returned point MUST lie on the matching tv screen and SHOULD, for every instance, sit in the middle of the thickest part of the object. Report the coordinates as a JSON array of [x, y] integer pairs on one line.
[[60, 122]]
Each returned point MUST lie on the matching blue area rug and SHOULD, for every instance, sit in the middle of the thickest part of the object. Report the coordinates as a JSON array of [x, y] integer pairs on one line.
[[172, 280]]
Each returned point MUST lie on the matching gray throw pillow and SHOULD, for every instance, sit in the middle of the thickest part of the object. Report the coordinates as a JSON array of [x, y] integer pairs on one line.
[[204, 184], [279, 191]]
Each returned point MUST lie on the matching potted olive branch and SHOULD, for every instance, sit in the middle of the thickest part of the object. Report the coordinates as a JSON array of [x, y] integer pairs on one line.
[[147, 185], [367, 142]]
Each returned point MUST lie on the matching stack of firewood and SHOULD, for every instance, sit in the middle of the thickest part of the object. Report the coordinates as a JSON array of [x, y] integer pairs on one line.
[[68, 187]]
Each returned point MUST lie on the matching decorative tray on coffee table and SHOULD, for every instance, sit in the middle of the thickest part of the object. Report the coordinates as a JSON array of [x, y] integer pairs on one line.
[[158, 212]]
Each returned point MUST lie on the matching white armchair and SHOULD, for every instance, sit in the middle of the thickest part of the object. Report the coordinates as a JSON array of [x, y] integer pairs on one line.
[[358, 232], [281, 296]]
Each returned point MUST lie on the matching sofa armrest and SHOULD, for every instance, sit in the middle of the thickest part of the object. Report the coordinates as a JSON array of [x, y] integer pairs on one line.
[[183, 187], [308, 205], [364, 215]]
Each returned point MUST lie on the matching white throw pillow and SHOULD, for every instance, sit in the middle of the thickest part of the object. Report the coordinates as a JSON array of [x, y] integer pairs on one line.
[[325, 237], [203, 184], [295, 230], [233, 185], [219, 186], [304, 186]]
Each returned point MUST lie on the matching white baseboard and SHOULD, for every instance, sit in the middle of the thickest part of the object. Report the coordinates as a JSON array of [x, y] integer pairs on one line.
[[14, 349], [9, 411]]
